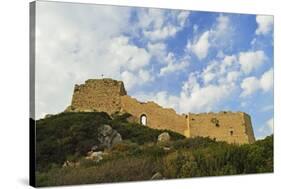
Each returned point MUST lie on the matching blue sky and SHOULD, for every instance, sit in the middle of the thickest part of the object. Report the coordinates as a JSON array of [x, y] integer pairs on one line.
[[191, 61]]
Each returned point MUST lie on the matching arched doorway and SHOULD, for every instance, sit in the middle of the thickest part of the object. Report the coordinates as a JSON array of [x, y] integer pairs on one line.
[[143, 119]]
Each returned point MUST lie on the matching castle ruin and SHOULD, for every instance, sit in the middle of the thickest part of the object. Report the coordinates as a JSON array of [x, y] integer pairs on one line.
[[108, 95]]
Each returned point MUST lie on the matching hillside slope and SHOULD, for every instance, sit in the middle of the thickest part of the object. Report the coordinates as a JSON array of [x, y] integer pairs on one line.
[[69, 136]]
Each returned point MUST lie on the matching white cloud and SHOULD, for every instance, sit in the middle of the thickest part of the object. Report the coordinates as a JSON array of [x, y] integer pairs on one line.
[[158, 24], [219, 36], [71, 49], [201, 46], [221, 29], [127, 55], [134, 79], [129, 79], [252, 84], [173, 65], [196, 97], [157, 50], [266, 80], [223, 70], [251, 60], [265, 24], [162, 33], [233, 76]]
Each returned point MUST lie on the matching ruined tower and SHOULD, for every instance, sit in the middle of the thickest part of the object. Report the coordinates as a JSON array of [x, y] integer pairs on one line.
[[103, 95]]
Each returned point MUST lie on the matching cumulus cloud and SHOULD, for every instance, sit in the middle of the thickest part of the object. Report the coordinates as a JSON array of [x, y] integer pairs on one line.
[[265, 24], [72, 46], [134, 79], [201, 46], [203, 90], [266, 80], [127, 55], [223, 70], [251, 60], [157, 50], [157, 24], [173, 65], [217, 36], [170, 63], [252, 84]]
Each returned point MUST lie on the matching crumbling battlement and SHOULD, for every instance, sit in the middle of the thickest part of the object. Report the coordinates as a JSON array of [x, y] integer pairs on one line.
[[110, 96]]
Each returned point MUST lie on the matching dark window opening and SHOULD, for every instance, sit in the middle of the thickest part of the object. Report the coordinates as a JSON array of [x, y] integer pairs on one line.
[[231, 133]]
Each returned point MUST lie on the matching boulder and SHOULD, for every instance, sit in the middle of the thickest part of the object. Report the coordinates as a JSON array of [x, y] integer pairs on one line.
[[164, 137], [108, 137], [95, 156], [105, 130]]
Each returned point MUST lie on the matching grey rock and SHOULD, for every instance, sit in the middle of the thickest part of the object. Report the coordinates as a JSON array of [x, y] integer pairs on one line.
[[117, 139], [105, 130], [108, 136], [164, 137], [95, 156]]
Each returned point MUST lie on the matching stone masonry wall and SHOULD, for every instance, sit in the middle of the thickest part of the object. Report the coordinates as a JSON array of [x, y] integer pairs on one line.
[[98, 95], [232, 127], [110, 96], [157, 117]]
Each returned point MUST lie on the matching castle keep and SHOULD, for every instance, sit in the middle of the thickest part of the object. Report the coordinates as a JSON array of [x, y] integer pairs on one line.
[[110, 96]]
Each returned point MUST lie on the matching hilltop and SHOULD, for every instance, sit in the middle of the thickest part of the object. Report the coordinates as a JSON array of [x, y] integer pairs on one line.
[[64, 141]]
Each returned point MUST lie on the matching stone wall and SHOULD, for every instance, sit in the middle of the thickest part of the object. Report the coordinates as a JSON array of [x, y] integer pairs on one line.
[[110, 96], [157, 116], [98, 95], [232, 127]]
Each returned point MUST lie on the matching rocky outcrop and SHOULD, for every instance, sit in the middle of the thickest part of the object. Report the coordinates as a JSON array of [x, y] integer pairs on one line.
[[108, 137]]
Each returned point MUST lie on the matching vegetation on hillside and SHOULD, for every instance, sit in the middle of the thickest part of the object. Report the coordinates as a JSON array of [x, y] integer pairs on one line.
[[68, 136]]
